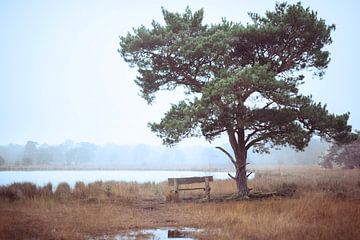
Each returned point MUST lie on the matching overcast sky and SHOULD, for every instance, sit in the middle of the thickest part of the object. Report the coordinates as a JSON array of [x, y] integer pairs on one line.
[[61, 76]]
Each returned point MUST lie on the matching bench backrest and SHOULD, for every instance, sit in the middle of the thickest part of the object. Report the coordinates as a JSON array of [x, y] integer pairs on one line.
[[189, 180]]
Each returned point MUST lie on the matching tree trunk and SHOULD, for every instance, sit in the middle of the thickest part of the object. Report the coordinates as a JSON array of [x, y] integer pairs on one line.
[[238, 146], [241, 178]]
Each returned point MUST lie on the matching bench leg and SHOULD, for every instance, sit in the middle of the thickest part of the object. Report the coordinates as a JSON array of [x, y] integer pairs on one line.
[[207, 188], [176, 187]]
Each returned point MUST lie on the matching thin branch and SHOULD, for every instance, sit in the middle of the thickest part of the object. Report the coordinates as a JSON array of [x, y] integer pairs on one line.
[[227, 154], [268, 105], [215, 133], [247, 175], [263, 137], [251, 143], [252, 134], [232, 176], [258, 128]]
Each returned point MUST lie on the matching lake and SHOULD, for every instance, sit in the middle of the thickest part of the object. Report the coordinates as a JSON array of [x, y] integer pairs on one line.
[[43, 177]]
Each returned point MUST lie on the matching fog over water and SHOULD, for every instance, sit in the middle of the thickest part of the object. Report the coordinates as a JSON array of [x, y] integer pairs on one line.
[[70, 155]]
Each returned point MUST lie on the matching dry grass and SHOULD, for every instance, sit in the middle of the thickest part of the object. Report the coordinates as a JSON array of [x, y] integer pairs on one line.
[[326, 205], [312, 216]]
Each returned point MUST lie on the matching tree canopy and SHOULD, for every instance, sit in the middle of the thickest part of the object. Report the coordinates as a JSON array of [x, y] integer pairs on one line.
[[242, 80]]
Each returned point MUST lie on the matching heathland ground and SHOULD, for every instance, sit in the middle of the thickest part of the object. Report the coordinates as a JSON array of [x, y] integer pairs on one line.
[[287, 203]]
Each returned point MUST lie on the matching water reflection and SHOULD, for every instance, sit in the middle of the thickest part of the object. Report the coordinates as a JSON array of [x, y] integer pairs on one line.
[[159, 234]]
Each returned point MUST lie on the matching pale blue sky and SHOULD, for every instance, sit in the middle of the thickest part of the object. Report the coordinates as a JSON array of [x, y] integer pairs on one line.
[[62, 78]]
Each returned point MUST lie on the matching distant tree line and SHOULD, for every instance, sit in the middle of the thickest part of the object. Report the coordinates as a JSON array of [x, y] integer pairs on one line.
[[33, 153], [84, 154]]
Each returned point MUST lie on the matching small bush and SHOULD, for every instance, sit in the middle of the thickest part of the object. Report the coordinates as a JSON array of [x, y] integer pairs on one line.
[[63, 192]]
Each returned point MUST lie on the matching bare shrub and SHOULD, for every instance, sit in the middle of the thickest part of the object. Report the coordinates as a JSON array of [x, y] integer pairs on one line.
[[63, 192], [345, 155]]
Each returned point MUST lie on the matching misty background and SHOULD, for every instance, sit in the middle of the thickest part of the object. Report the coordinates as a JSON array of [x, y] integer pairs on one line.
[[61, 77], [109, 156]]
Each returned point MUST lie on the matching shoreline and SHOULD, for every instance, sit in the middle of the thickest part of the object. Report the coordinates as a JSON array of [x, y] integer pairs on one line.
[[52, 168]]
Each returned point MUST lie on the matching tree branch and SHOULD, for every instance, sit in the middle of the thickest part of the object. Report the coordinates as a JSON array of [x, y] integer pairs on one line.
[[227, 154], [232, 176], [258, 128], [252, 134], [214, 133]]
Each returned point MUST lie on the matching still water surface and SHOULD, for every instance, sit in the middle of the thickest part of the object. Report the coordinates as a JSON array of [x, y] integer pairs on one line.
[[41, 178]]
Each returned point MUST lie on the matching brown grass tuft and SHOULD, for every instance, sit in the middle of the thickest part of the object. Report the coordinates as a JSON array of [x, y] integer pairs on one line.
[[46, 191], [80, 190], [18, 191], [172, 197]]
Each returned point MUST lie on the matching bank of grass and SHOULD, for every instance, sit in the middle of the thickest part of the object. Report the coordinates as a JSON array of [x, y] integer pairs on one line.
[[315, 204]]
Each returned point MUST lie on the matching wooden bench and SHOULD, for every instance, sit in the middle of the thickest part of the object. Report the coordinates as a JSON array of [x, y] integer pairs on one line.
[[175, 182]]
